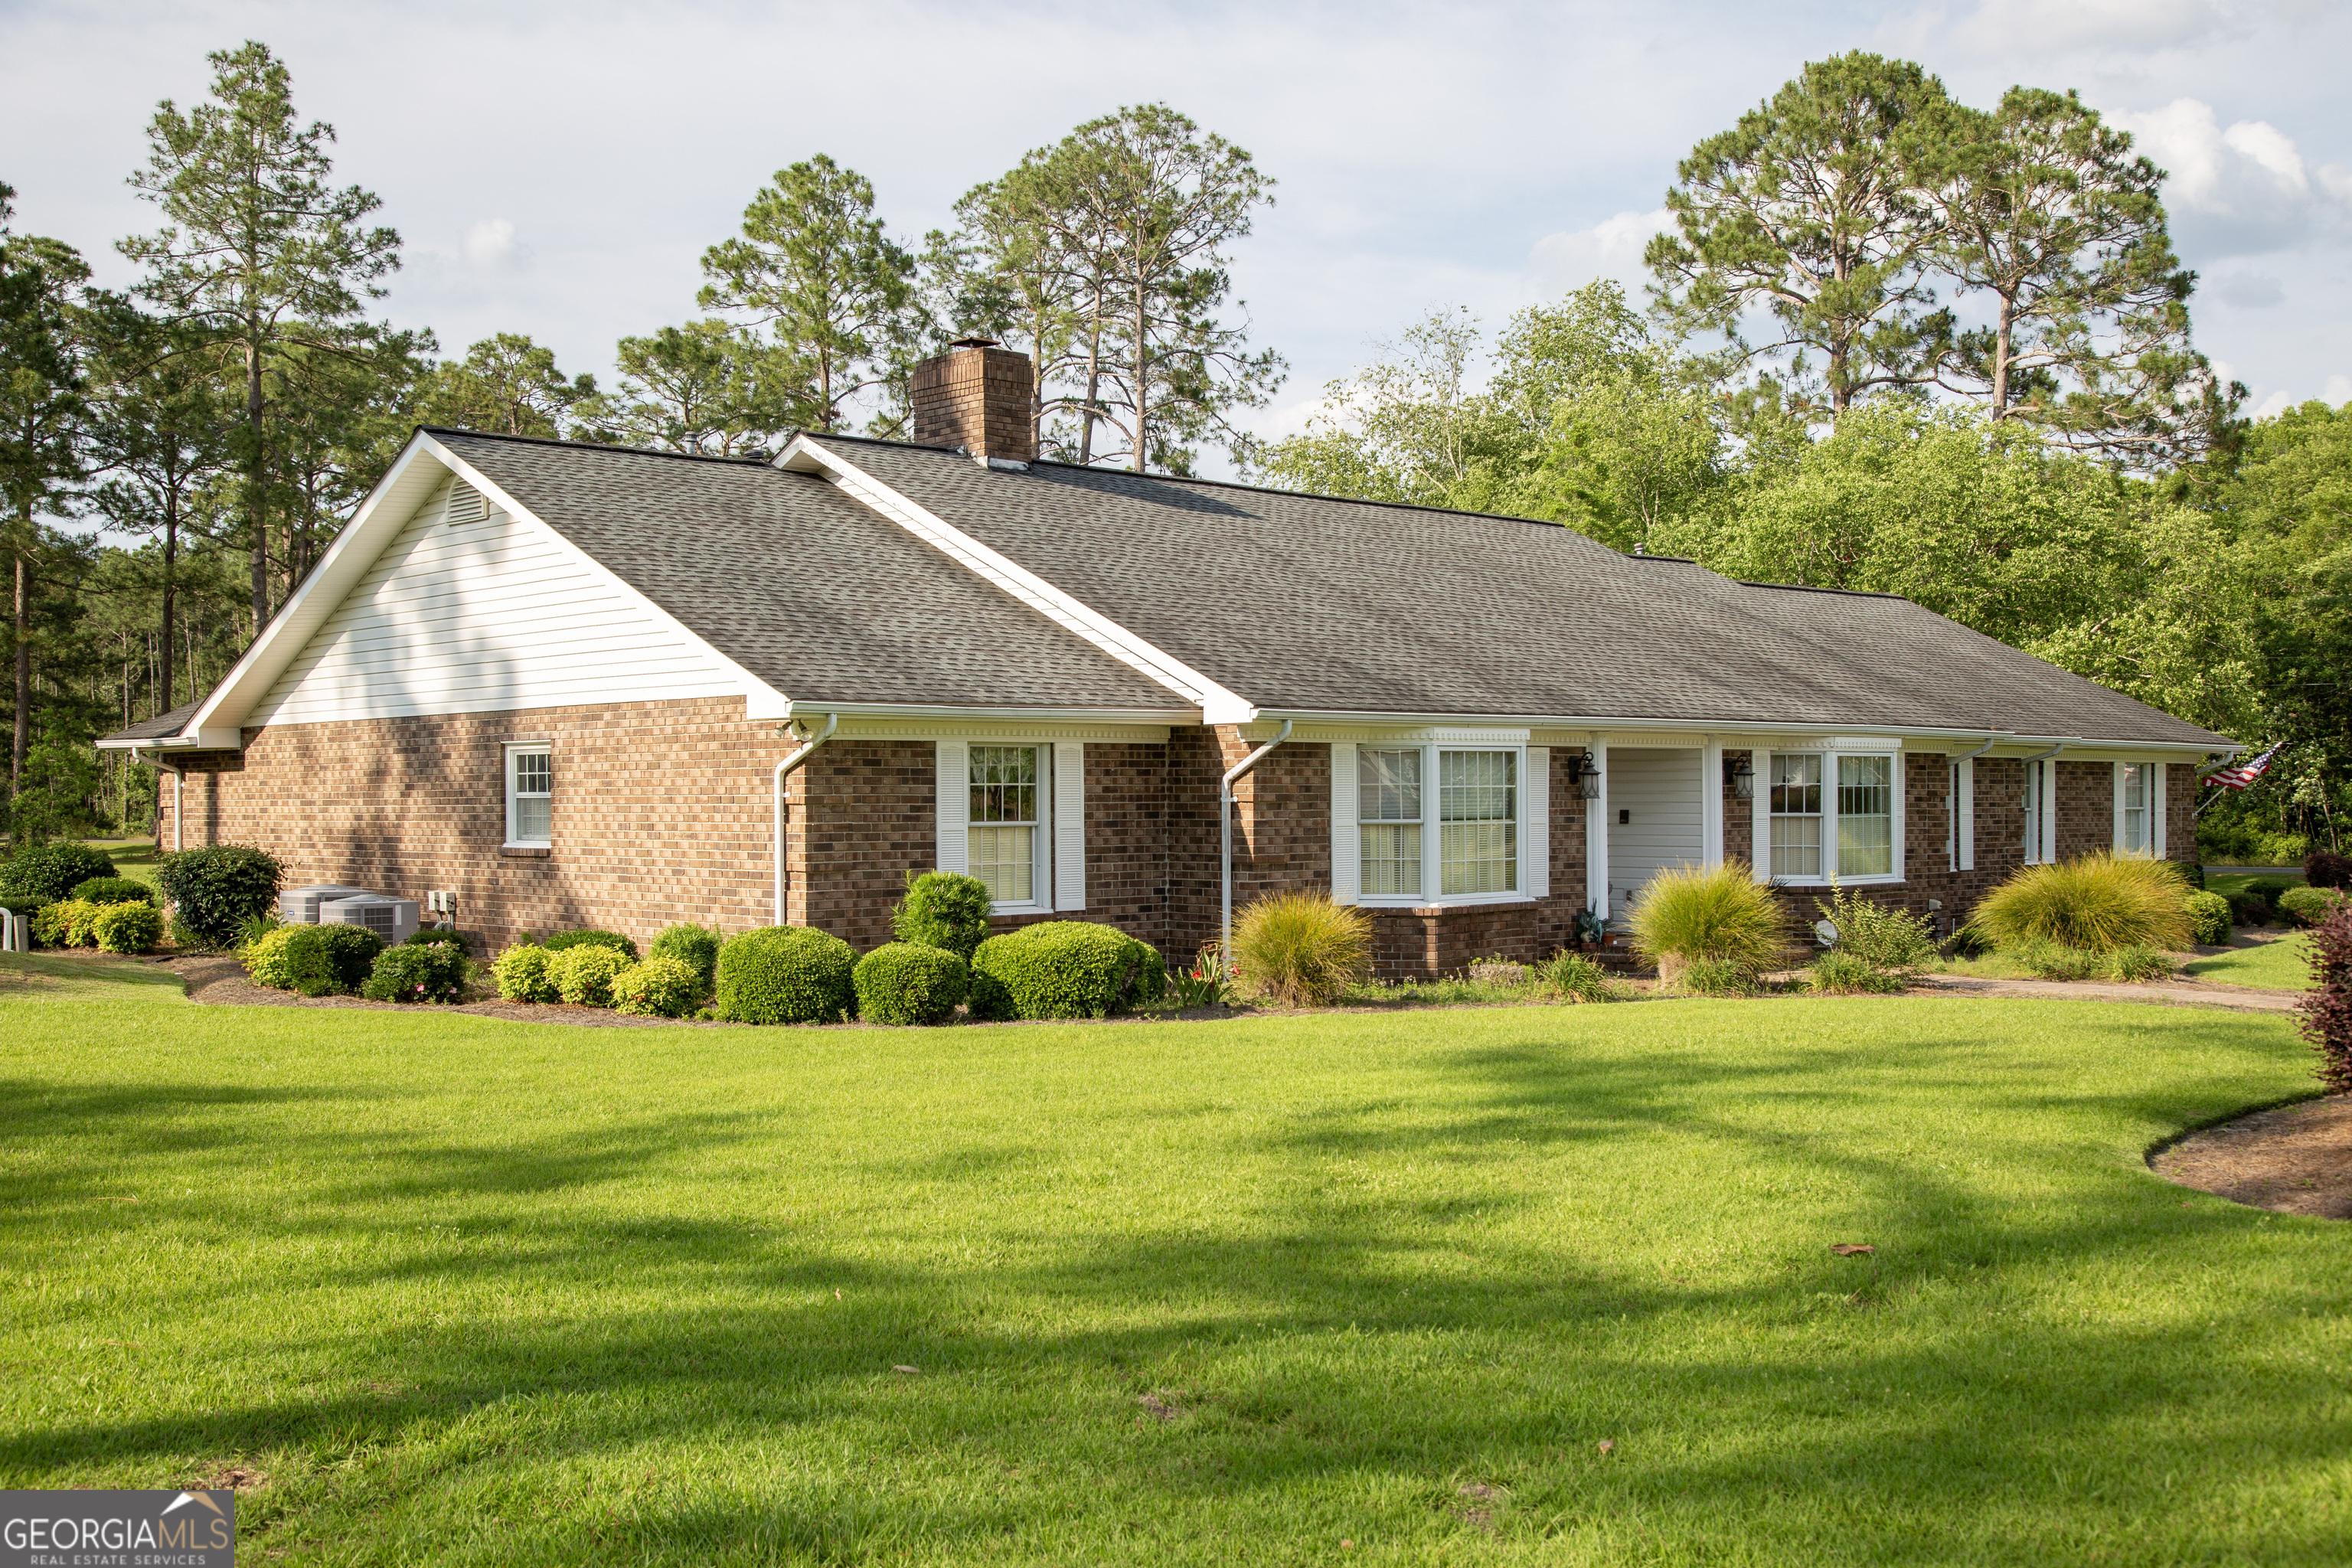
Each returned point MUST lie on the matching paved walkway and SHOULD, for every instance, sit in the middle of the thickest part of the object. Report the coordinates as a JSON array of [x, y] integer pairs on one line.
[[2170, 992]]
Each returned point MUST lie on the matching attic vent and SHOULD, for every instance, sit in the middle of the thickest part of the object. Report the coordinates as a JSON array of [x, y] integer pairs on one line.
[[465, 504]]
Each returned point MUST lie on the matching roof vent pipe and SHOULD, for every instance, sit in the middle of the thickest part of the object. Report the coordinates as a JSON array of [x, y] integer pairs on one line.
[[789, 764], [1226, 834]]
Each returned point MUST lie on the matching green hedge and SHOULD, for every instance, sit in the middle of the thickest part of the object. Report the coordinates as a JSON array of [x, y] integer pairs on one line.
[[583, 975], [115, 891], [522, 974], [217, 889], [592, 938], [910, 983], [660, 988], [787, 975], [695, 946], [405, 973], [127, 927], [50, 872], [1063, 969], [2209, 917], [314, 961]]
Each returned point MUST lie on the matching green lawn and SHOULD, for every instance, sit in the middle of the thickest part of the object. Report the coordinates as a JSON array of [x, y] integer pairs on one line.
[[132, 857], [2228, 883], [482, 1292], [2281, 965]]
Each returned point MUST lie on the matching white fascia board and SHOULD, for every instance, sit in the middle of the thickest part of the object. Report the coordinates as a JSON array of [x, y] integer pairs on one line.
[[760, 700], [1358, 718], [1217, 705], [815, 708]]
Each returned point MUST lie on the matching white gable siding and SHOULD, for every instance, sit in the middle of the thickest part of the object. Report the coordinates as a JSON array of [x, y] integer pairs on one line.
[[473, 617]]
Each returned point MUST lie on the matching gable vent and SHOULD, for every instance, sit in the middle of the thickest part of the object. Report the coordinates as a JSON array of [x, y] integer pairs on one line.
[[465, 504]]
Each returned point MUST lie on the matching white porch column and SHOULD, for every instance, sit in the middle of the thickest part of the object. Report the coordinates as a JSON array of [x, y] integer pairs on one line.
[[1710, 802], [1596, 836]]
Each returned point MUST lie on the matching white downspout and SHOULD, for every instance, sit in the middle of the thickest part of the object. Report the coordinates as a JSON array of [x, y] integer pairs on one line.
[[789, 764], [1226, 834]]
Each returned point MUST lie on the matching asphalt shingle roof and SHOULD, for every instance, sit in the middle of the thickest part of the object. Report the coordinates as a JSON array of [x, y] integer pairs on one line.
[[807, 589], [1311, 603]]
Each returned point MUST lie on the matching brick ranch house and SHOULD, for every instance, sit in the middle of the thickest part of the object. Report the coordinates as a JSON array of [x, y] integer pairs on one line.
[[573, 685]]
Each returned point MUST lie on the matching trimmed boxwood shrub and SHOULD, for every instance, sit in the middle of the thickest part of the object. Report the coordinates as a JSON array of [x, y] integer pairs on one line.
[[695, 946], [522, 974], [592, 938], [115, 891], [351, 953], [910, 983], [786, 975], [216, 888], [313, 960], [2270, 889], [583, 975], [127, 927], [1063, 969], [2309, 906], [441, 936], [2209, 918], [660, 988], [404, 974], [943, 910], [268, 959], [50, 872]]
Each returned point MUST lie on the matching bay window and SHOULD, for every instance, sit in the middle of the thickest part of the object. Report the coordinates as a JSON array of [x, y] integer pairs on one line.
[[1478, 841], [1387, 808], [1832, 814], [1474, 857]]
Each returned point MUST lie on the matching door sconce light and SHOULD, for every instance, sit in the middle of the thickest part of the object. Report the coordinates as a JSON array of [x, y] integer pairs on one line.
[[1739, 779]]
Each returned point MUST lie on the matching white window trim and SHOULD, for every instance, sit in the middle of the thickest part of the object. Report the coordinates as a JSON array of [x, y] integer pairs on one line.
[[1052, 845], [1433, 871], [1762, 833], [529, 749], [2151, 837]]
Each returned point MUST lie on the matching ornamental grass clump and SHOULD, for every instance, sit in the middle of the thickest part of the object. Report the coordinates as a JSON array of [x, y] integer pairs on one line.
[[522, 974], [1840, 974], [2094, 904], [910, 983], [2325, 1010], [787, 975], [660, 988], [1718, 915], [583, 975], [1301, 949], [1572, 977], [943, 910]]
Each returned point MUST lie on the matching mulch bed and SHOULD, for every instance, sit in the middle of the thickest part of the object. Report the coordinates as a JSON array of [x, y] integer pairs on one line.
[[223, 980], [2295, 1159]]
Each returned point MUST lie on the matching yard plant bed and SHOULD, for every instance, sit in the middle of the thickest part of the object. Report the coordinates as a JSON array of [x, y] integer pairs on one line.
[[1509, 1284], [2295, 1159]]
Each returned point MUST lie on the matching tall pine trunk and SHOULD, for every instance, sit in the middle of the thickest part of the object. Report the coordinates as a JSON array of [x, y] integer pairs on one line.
[[1142, 378], [21, 739], [171, 585], [2000, 357], [257, 477]]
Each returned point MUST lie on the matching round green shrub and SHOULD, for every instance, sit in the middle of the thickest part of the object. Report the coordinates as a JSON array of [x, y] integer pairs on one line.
[[660, 988], [115, 891], [2309, 906], [1301, 949], [910, 983], [268, 963], [351, 953], [943, 910], [216, 888], [786, 975], [583, 975], [522, 974], [50, 872], [314, 961], [65, 923], [405, 973], [695, 946], [2209, 918], [127, 927], [562, 940], [1063, 969], [441, 936]]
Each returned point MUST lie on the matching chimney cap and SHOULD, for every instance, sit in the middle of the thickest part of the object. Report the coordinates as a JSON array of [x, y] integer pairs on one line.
[[974, 343]]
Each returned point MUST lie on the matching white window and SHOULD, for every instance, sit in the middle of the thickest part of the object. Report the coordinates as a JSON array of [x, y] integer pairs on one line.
[[1007, 805], [2132, 832], [2037, 811], [1388, 809], [1796, 815], [1472, 857], [1477, 809], [1833, 814], [530, 796]]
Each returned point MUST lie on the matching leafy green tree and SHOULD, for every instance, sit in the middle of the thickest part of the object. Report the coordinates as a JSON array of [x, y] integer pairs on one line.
[[258, 250], [506, 384], [1405, 428], [706, 386], [814, 267], [1811, 213]]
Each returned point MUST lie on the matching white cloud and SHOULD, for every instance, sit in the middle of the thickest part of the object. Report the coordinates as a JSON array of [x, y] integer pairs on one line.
[[1609, 249], [2276, 403], [489, 245], [2238, 191], [2338, 391]]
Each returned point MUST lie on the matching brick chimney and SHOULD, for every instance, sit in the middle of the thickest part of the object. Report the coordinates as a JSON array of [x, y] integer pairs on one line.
[[976, 395]]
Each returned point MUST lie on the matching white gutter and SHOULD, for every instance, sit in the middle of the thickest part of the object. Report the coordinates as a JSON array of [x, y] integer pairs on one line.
[[1991, 742], [790, 764], [1226, 834], [178, 796], [1357, 717]]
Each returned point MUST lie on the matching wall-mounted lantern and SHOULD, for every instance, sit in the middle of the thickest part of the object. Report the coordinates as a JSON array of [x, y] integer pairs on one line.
[[1585, 776], [1739, 779]]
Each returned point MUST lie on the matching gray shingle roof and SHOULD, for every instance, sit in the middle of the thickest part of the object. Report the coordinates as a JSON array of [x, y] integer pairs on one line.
[[160, 726], [1315, 605], [807, 589]]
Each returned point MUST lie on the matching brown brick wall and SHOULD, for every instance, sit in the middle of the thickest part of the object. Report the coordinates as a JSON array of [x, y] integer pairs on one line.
[[1739, 816]]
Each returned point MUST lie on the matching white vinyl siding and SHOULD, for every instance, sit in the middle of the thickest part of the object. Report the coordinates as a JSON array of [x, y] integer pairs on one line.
[[530, 796], [469, 612], [1658, 791]]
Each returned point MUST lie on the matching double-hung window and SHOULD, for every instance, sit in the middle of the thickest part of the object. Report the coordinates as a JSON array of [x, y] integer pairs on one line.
[[1006, 848], [1475, 855], [2037, 809], [2132, 835], [530, 796], [1833, 814]]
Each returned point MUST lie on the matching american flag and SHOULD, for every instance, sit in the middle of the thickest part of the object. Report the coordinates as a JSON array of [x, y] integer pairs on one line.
[[2245, 774]]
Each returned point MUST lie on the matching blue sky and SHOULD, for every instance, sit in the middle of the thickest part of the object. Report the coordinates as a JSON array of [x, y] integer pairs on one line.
[[557, 170]]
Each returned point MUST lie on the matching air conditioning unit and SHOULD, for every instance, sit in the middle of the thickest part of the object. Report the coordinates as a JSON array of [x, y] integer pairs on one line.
[[299, 906], [395, 920]]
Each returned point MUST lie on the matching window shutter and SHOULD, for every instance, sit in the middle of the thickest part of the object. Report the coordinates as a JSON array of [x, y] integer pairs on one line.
[[2156, 811], [465, 504], [954, 806], [1069, 825], [2116, 788], [1347, 839], [1535, 811], [1966, 813]]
